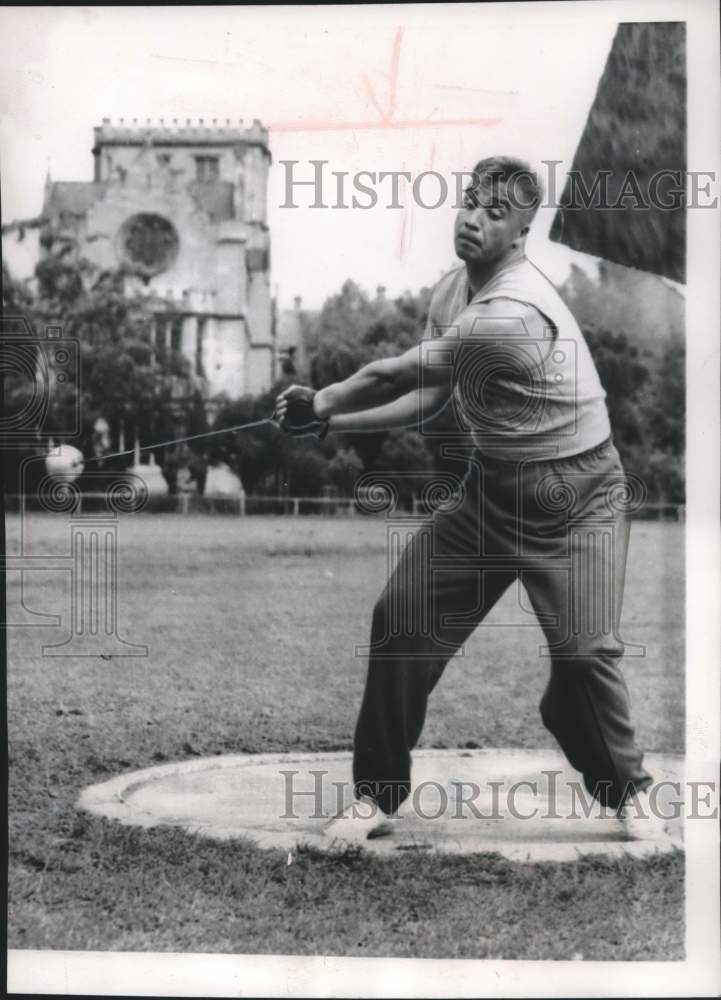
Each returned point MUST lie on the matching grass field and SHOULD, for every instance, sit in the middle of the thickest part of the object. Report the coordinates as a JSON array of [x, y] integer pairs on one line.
[[251, 625]]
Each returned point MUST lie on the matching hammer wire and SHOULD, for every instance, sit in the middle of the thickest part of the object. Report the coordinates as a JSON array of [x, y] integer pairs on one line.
[[193, 437]]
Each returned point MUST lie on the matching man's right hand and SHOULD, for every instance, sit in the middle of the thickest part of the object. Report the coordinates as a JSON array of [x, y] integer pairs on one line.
[[294, 412]]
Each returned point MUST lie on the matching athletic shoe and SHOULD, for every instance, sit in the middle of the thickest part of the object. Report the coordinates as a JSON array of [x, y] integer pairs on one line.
[[638, 821], [361, 820]]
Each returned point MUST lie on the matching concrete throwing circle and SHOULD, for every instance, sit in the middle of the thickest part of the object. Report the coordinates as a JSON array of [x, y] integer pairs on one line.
[[526, 805]]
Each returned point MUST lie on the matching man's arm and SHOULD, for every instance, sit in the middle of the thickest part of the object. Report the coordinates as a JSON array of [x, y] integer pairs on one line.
[[498, 333], [409, 411], [373, 385], [508, 328]]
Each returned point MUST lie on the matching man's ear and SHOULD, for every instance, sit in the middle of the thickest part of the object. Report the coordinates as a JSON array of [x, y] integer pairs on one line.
[[522, 233]]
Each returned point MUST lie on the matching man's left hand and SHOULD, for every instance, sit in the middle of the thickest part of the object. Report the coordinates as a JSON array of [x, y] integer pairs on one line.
[[295, 414]]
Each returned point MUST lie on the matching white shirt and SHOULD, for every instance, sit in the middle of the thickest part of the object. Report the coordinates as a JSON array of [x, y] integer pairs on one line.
[[531, 391]]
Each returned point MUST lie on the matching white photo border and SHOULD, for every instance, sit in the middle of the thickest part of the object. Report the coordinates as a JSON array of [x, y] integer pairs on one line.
[[180, 975]]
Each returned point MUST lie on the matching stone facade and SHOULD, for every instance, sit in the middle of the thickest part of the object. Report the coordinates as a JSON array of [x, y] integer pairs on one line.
[[183, 209], [291, 326]]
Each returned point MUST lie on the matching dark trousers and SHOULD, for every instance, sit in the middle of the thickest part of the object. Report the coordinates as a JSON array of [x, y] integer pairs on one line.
[[561, 526]]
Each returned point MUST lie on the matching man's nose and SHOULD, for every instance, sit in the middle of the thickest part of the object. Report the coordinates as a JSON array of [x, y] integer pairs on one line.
[[472, 219]]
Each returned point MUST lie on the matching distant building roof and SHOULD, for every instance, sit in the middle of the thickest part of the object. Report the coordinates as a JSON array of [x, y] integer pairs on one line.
[[75, 197], [289, 327]]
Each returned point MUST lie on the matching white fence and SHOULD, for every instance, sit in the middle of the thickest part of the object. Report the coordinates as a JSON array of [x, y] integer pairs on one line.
[[190, 503]]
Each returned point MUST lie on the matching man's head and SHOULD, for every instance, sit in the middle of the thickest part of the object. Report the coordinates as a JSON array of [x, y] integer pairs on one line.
[[498, 207]]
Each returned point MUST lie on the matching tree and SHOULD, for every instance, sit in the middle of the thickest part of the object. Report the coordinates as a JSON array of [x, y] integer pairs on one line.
[[335, 341], [344, 470], [18, 386], [624, 375], [633, 323], [123, 378], [669, 403], [253, 454], [265, 459], [645, 307], [349, 331], [404, 461], [305, 469]]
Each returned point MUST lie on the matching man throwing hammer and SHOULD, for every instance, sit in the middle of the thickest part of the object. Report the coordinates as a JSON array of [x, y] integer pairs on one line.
[[542, 501]]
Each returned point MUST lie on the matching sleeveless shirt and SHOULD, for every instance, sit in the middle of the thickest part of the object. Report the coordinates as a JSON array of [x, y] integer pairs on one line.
[[531, 392]]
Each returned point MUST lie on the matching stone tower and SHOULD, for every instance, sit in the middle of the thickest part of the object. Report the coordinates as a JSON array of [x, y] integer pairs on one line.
[[182, 207]]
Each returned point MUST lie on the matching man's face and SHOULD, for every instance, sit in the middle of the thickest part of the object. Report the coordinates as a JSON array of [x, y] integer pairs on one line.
[[488, 223]]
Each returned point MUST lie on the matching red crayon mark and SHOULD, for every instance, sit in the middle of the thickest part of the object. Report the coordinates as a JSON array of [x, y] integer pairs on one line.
[[337, 126], [406, 233], [404, 218], [386, 117], [477, 90]]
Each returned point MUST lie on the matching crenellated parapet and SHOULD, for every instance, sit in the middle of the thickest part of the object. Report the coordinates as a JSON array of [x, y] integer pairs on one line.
[[181, 132]]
